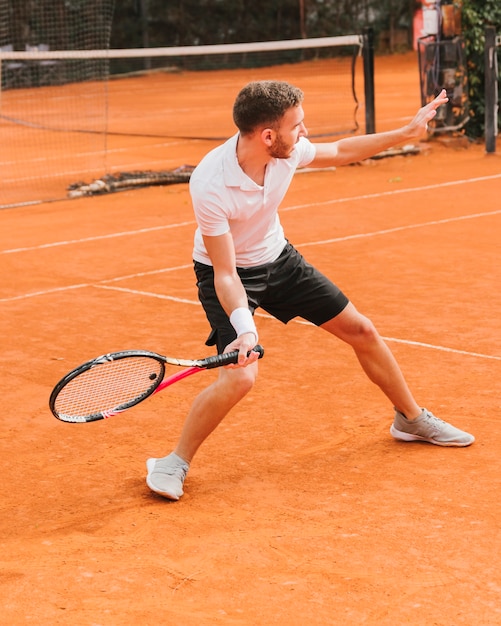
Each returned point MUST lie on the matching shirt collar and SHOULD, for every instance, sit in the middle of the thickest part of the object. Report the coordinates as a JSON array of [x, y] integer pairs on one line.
[[234, 176]]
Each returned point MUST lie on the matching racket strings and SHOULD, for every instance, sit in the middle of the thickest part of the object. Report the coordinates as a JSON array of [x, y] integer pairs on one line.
[[109, 387]]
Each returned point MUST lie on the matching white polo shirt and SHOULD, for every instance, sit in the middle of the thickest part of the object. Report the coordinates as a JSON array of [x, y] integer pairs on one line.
[[226, 199]]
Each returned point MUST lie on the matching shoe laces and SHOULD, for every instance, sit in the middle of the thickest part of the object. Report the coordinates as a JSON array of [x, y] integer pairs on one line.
[[178, 470], [435, 422]]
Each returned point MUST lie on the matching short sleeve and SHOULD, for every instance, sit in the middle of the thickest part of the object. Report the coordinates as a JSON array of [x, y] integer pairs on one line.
[[305, 152], [210, 213]]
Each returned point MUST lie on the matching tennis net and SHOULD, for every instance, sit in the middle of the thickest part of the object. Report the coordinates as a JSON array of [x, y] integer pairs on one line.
[[39, 91], [151, 126]]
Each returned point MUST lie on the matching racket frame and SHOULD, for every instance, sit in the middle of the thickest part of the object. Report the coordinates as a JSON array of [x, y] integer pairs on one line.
[[101, 360], [191, 367]]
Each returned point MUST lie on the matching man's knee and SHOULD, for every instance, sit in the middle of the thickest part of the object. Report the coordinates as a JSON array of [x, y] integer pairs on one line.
[[353, 328], [367, 330], [240, 380]]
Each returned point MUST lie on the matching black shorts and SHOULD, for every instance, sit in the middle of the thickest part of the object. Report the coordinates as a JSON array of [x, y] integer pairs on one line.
[[286, 288]]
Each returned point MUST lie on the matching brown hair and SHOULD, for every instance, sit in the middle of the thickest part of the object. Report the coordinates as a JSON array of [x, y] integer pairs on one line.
[[263, 103]]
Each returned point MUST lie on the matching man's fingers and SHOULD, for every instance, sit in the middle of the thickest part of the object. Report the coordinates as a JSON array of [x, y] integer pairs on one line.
[[247, 360], [440, 99]]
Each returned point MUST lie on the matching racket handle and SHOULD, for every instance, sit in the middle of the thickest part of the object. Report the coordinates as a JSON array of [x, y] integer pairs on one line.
[[228, 357]]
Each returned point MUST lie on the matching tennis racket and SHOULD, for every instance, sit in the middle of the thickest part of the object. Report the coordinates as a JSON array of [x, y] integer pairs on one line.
[[117, 381]]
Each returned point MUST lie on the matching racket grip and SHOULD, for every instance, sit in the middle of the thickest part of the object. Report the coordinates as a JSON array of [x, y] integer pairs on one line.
[[228, 357]]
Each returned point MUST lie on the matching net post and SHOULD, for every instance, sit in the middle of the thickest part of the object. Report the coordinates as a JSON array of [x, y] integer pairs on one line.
[[1, 78], [368, 57], [491, 89]]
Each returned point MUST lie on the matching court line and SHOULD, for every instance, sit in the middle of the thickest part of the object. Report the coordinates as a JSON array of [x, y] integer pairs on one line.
[[103, 285], [409, 342], [86, 155], [69, 242], [33, 294], [396, 229], [295, 208], [46, 292], [145, 164], [393, 192], [148, 273]]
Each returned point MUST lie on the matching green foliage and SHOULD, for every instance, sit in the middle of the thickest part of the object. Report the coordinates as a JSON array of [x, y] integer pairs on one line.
[[477, 14]]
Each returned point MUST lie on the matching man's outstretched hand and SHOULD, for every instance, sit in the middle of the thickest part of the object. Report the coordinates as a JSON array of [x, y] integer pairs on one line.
[[419, 125]]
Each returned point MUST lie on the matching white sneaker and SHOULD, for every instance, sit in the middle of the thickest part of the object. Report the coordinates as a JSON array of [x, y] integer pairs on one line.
[[166, 476], [427, 427]]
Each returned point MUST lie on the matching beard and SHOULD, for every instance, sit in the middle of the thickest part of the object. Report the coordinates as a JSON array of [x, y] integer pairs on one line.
[[280, 149]]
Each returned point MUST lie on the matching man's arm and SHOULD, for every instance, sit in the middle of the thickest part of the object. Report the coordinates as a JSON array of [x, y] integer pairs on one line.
[[231, 294], [353, 149]]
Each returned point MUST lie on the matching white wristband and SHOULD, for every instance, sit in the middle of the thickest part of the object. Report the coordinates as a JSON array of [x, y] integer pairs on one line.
[[242, 321]]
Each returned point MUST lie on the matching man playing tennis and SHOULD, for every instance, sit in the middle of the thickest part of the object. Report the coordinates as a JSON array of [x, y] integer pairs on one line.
[[243, 261]]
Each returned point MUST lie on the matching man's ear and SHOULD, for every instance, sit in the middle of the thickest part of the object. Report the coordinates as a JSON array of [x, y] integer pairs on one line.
[[268, 136]]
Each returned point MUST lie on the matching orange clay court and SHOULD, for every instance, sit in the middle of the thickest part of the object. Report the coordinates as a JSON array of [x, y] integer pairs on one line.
[[300, 509]]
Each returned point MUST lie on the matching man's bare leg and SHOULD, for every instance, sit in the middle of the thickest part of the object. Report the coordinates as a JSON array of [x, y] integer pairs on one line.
[[411, 423], [375, 358], [166, 476], [211, 406]]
